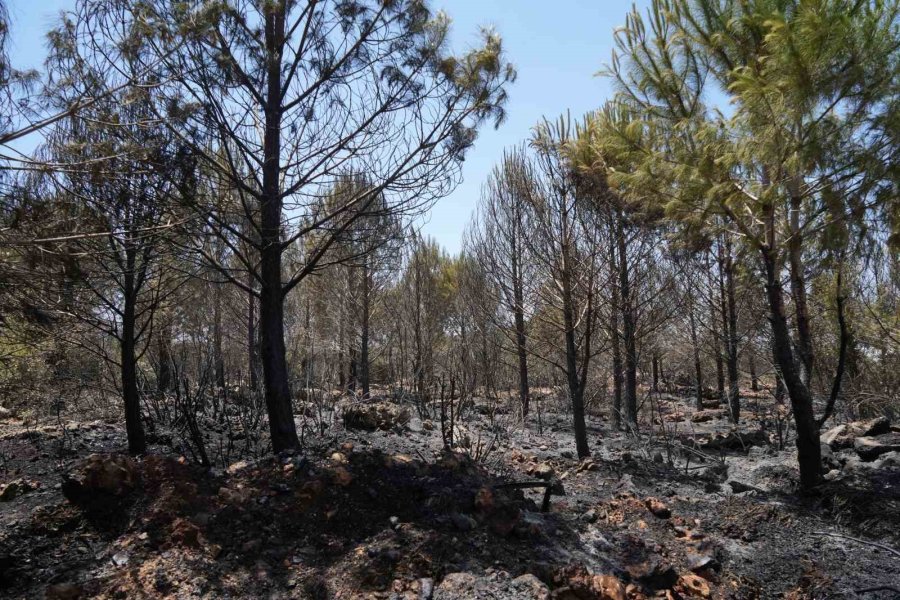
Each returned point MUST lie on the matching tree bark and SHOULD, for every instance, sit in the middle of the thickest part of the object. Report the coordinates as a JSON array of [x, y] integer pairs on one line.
[[734, 399], [808, 447], [751, 364], [218, 354], [616, 413], [576, 386], [137, 443], [695, 346], [628, 330], [364, 329], [164, 356], [805, 352], [252, 341], [271, 303], [521, 340]]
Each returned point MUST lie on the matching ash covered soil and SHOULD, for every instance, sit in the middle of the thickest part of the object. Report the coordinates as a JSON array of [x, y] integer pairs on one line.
[[697, 509]]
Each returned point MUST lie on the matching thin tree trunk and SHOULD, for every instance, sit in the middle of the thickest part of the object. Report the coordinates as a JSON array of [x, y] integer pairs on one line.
[[804, 346], [695, 346], [252, 341], [615, 341], [364, 329], [137, 443], [164, 356], [521, 340], [809, 452], [628, 330], [734, 399], [754, 379], [218, 357], [576, 388], [654, 367], [715, 323]]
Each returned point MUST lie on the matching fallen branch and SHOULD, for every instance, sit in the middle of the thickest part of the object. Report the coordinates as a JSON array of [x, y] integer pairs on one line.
[[866, 542], [880, 588]]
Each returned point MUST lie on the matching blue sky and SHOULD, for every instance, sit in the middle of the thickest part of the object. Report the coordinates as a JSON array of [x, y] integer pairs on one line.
[[557, 48]]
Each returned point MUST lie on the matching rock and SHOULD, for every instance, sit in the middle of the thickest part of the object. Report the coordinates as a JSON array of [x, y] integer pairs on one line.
[[843, 436], [658, 508], [101, 480], [503, 518], [702, 562], [428, 425], [567, 454], [888, 460], [63, 591], [185, 534], [735, 440], [373, 416], [120, 559], [233, 496], [16, 488], [625, 485], [235, 468], [589, 517], [466, 586], [607, 587], [339, 458], [692, 586], [653, 573], [529, 586], [544, 471], [739, 488], [463, 522], [831, 436], [709, 414], [340, 476], [870, 448], [5, 413], [426, 588], [484, 499]]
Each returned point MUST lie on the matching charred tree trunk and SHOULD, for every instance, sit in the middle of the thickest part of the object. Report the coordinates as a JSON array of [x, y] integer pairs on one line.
[[695, 347], [252, 341], [717, 337], [780, 390], [751, 364], [808, 446], [576, 385], [521, 340], [137, 443], [271, 302], [729, 324], [616, 414], [164, 356], [628, 330], [804, 345], [218, 355], [364, 329]]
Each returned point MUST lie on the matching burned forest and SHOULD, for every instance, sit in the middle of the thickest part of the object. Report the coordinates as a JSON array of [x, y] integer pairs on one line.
[[345, 299]]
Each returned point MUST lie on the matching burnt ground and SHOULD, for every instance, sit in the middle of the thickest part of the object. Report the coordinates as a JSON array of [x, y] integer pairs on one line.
[[388, 514]]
